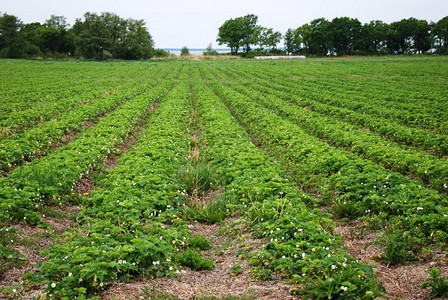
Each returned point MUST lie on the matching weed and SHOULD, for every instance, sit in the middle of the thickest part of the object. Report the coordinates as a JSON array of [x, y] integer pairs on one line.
[[212, 213], [195, 261], [437, 283], [236, 270], [196, 178], [200, 242], [399, 247]]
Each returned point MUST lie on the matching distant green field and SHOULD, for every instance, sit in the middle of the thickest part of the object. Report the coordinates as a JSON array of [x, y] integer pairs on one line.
[[287, 148]]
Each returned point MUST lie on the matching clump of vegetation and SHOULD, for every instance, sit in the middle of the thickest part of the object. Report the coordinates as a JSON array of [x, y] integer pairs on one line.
[[184, 51], [211, 213], [209, 51], [196, 177], [194, 260], [437, 283]]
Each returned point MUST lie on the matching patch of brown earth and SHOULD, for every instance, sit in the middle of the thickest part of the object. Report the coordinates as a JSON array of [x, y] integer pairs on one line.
[[400, 281], [31, 241], [220, 282]]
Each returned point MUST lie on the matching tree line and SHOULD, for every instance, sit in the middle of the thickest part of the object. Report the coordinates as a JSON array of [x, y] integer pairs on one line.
[[93, 37], [340, 36]]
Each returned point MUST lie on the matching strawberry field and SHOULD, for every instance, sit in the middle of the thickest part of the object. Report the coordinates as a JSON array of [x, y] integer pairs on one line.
[[318, 178]]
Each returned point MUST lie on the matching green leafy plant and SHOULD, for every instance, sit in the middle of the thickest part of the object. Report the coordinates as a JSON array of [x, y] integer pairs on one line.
[[437, 283], [194, 260], [213, 212]]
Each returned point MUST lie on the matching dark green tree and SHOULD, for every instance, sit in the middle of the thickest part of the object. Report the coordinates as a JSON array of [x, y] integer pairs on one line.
[[55, 36], [12, 42], [345, 34], [238, 32], [319, 38], [409, 36], [92, 37], [31, 33], [184, 51], [108, 35], [135, 41], [293, 40], [268, 37], [440, 35], [373, 39]]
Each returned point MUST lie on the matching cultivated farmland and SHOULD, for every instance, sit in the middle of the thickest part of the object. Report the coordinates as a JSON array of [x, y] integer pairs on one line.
[[318, 178]]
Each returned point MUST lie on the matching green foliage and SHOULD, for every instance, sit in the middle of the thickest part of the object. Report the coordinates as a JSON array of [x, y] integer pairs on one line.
[[437, 283], [98, 35], [330, 137], [184, 51], [194, 261], [293, 41], [200, 242], [161, 53], [196, 177], [238, 33], [399, 247], [209, 51], [8, 257], [213, 212], [440, 34]]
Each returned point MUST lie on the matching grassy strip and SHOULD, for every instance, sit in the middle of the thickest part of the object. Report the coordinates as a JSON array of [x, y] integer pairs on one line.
[[356, 187], [299, 245], [26, 146], [30, 188], [131, 227], [408, 161]]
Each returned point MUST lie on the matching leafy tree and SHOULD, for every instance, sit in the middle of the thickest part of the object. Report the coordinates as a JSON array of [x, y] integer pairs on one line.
[[268, 37], [184, 51], [55, 36], [135, 41], [293, 40], [410, 36], [440, 34], [238, 32], [249, 27], [11, 39], [374, 36], [107, 34], [31, 33], [304, 35], [91, 37], [318, 37], [345, 33]]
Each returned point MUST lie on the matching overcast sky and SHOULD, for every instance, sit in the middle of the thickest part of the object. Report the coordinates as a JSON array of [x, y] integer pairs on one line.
[[195, 23]]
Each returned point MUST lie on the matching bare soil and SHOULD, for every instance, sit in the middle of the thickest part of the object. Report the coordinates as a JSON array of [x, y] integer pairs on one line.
[[31, 241], [219, 282], [400, 281]]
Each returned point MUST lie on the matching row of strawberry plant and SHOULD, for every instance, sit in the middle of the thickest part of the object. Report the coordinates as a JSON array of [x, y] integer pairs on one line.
[[17, 121], [131, 227], [29, 84], [423, 139], [406, 93], [428, 168], [26, 146], [357, 187], [415, 118], [44, 181], [298, 246]]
